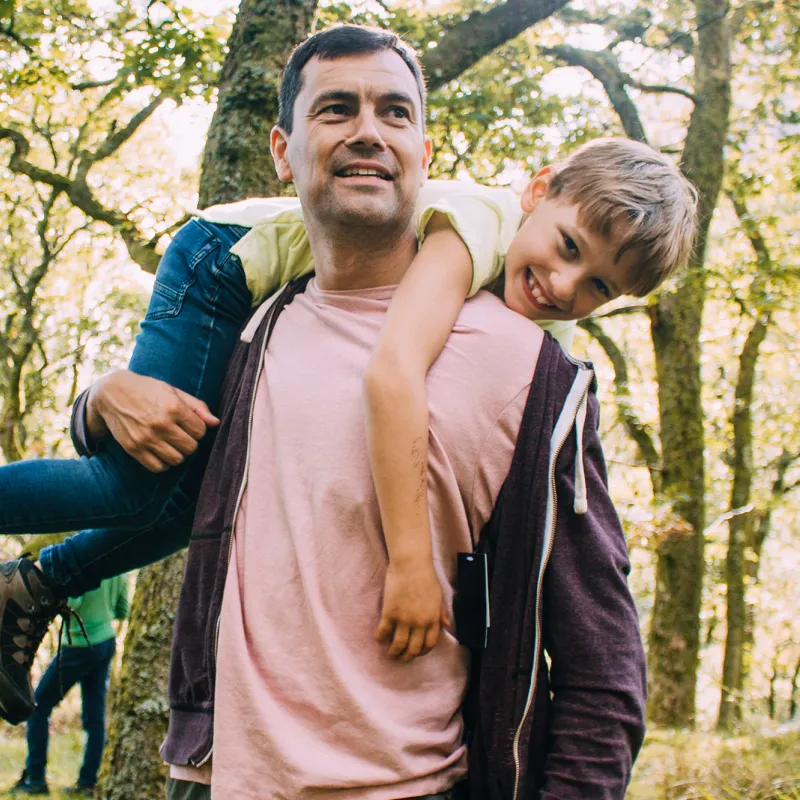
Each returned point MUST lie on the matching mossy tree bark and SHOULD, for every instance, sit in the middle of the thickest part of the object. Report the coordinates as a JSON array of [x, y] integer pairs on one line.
[[676, 319], [132, 768]]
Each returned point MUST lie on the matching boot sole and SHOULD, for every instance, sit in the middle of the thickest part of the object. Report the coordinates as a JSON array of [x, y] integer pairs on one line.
[[14, 706]]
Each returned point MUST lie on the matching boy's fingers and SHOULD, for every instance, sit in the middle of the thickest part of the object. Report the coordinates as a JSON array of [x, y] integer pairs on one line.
[[431, 637], [400, 640], [384, 629], [416, 643]]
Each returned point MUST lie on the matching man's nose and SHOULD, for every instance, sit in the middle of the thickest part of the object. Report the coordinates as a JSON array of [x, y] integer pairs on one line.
[[366, 132]]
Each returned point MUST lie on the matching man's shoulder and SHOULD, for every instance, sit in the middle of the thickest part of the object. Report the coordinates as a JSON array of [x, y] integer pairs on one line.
[[493, 348], [487, 314]]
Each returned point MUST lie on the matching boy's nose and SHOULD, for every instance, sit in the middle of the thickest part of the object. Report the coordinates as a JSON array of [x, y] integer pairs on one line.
[[564, 285], [366, 132]]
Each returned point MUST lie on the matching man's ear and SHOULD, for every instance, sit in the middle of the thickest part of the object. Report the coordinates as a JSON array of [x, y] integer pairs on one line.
[[426, 160], [536, 189], [279, 145]]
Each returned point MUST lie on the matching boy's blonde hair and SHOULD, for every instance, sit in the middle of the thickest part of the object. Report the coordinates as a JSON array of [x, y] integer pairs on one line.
[[623, 185]]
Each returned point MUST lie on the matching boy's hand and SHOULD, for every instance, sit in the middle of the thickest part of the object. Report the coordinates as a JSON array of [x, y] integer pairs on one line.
[[413, 611], [155, 423]]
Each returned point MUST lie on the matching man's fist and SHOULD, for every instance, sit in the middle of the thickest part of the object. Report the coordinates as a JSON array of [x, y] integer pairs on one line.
[[154, 423]]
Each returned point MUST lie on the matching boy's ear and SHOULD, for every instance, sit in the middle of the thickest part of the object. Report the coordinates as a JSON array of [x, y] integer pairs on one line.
[[279, 145], [536, 189]]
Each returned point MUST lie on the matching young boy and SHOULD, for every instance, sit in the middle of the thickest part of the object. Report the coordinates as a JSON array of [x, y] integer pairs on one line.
[[614, 218]]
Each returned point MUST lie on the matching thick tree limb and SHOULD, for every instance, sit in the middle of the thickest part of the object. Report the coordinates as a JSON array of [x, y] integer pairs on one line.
[[479, 34], [603, 66], [636, 429]]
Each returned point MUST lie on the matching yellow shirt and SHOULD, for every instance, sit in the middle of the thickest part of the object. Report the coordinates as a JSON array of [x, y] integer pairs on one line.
[[276, 250]]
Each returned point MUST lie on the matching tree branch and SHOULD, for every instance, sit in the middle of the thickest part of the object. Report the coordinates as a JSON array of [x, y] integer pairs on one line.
[[141, 250], [660, 89], [624, 311], [479, 34], [636, 429], [119, 137], [603, 66]]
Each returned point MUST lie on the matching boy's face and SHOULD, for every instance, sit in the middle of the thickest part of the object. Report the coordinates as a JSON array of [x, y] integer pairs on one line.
[[557, 268]]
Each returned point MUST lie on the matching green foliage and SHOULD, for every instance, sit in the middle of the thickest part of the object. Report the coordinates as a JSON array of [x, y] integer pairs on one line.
[[679, 766]]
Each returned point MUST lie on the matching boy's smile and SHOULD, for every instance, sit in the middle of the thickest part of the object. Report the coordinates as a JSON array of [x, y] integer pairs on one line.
[[556, 267]]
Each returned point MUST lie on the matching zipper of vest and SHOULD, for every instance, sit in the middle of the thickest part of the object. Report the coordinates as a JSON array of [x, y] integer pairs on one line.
[[238, 505], [574, 399]]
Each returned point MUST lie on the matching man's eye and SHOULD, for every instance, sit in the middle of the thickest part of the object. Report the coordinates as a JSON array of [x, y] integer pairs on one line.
[[338, 109], [398, 112], [601, 287], [569, 243]]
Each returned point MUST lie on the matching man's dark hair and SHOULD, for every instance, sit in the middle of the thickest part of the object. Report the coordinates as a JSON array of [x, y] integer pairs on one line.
[[338, 42]]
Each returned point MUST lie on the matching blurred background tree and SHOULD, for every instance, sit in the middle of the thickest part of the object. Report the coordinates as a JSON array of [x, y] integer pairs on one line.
[[699, 382]]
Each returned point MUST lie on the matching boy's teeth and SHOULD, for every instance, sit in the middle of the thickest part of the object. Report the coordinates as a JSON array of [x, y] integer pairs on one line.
[[536, 292]]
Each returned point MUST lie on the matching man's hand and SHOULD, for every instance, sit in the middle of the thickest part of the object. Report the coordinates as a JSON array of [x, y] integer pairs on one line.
[[154, 423], [413, 610]]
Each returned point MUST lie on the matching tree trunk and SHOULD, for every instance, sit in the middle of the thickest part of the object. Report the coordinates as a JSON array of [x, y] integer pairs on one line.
[[793, 692], [740, 532], [132, 768], [676, 319], [237, 161]]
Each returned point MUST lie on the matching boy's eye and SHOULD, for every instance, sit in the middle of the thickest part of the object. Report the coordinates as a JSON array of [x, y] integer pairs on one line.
[[569, 243], [601, 287]]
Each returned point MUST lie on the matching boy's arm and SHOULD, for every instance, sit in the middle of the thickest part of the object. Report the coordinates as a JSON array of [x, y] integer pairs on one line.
[[485, 217], [421, 316], [591, 630]]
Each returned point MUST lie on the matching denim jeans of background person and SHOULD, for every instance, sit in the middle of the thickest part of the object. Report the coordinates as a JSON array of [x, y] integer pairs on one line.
[[86, 662], [186, 341]]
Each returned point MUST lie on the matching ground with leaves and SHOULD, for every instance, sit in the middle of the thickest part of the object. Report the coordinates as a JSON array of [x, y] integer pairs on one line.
[[672, 766]]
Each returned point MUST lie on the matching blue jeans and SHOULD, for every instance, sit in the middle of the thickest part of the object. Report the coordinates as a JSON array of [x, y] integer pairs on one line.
[[199, 304], [85, 665]]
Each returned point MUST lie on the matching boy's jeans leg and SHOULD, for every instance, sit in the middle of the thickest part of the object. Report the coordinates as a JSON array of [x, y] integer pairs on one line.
[[83, 561], [94, 686], [200, 302]]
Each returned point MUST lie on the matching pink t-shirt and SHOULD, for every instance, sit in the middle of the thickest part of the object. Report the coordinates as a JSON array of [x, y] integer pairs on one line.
[[308, 705]]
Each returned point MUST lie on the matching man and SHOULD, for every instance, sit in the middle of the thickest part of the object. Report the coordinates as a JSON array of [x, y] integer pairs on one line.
[[275, 668], [86, 661]]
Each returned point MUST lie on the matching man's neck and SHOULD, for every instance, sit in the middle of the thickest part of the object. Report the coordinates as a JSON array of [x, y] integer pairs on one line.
[[360, 258]]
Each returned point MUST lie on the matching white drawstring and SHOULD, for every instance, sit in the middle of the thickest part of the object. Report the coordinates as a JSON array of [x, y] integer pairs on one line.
[[581, 500]]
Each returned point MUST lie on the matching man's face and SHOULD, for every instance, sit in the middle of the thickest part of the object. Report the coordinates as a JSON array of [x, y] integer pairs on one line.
[[358, 151]]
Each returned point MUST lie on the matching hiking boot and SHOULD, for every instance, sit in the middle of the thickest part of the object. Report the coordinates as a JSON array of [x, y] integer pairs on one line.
[[28, 605], [26, 786]]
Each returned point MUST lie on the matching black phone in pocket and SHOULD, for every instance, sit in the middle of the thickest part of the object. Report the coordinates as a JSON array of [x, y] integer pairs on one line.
[[471, 601]]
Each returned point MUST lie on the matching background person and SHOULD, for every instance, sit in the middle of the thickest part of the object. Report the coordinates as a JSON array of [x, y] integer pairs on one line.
[[86, 661]]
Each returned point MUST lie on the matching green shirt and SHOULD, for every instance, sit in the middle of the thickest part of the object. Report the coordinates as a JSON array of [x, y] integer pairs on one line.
[[97, 610]]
